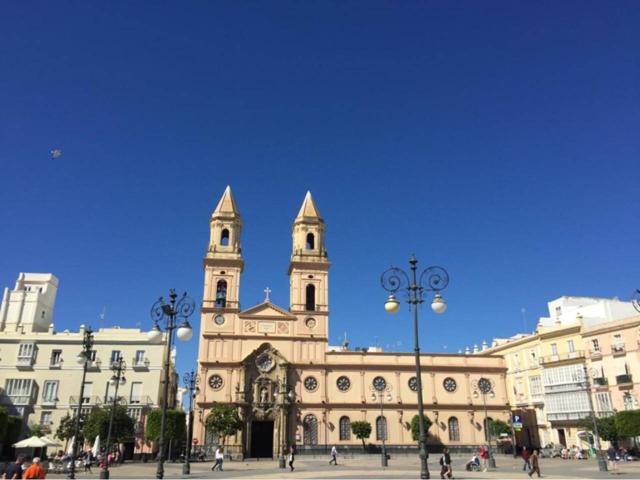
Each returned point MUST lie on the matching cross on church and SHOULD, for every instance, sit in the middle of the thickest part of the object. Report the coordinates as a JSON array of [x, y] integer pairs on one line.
[[267, 291]]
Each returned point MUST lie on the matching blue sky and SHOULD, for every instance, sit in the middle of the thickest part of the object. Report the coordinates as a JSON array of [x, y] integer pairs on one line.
[[498, 139]]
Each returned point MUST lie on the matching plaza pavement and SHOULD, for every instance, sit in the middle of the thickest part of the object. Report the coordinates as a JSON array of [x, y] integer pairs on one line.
[[368, 466]]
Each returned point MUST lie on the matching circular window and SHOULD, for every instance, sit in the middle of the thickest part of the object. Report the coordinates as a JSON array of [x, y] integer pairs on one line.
[[343, 383], [413, 384], [219, 319], [310, 322], [265, 363], [310, 383], [379, 383], [449, 384], [216, 382]]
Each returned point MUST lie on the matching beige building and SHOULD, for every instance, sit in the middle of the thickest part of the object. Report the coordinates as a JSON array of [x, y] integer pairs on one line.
[[39, 372], [291, 388]]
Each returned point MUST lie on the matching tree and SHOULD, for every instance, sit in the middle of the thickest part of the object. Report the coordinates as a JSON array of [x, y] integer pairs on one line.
[[628, 423], [498, 427], [67, 427], [174, 428], [4, 423], [607, 429], [415, 426], [361, 429], [97, 423], [35, 430], [223, 421], [14, 429]]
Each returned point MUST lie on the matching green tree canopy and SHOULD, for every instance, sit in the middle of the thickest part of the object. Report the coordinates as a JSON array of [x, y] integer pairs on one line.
[[175, 427], [67, 427], [415, 426], [361, 429], [223, 421], [35, 430], [97, 423], [14, 429], [498, 427], [4, 423], [607, 429], [628, 423]]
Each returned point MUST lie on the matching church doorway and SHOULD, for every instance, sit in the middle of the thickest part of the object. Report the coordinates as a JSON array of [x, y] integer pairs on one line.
[[262, 439]]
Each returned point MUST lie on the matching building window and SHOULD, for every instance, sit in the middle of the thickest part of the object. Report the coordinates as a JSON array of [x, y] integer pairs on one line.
[[224, 237], [310, 430], [381, 428], [115, 356], [50, 391], [617, 344], [595, 345], [19, 390], [110, 392], [603, 402], [558, 311], [554, 349], [535, 385], [311, 243], [571, 345], [136, 392], [629, 401], [516, 361], [26, 353], [221, 294], [139, 359], [534, 358], [454, 430], [345, 428], [86, 395], [45, 420], [93, 355], [56, 358], [310, 303]]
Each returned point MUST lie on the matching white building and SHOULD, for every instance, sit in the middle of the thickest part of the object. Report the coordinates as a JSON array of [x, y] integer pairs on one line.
[[39, 374]]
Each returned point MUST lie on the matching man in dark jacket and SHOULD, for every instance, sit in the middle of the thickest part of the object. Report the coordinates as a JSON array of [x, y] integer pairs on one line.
[[14, 470], [445, 463]]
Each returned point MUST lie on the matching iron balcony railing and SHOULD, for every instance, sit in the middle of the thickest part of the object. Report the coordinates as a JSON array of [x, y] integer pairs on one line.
[[624, 379], [578, 354]]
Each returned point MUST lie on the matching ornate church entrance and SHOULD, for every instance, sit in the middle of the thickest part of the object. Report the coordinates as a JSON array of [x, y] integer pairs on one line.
[[262, 439]]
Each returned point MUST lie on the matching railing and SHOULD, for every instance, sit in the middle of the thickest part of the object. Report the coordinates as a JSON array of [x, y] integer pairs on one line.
[[567, 416], [89, 400], [49, 402], [138, 364], [595, 354], [142, 400], [26, 361], [600, 381], [624, 379], [618, 349], [21, 399], [578, 354]]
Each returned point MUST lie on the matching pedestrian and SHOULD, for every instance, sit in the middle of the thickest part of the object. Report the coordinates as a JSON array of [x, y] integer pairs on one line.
[[14, 470], [334, 456], [35, 470], [219, 458], [525, 459], [535, 464], [483, 455], [292, 458], [612, 457], [446, 469], [87, 462]]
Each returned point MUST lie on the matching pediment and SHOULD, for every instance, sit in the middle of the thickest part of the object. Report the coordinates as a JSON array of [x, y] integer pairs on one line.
[[267, 310]]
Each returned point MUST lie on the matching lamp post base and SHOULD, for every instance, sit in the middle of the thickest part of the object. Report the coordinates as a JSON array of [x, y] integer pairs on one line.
[[104, 473], [186, 468], [492, 462], [384, 460], [602, 464]]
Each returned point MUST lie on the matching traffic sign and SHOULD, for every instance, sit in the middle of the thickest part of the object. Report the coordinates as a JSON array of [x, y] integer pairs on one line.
[[516, 422]]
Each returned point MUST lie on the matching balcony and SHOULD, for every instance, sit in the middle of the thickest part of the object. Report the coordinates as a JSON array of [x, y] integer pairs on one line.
[[549, 359], [91, 400], [25, 362], [600, 382], [618, 349], [49, 402], [140, 364], [624, 379], [595, 354], [94, 364], [566, 416]]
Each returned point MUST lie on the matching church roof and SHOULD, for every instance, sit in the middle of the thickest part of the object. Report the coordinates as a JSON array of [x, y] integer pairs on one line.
[[308, 208], [227, 205], [266, 309]]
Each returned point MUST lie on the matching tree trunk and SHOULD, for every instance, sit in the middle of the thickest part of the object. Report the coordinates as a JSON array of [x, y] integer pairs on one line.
[[364, 449]]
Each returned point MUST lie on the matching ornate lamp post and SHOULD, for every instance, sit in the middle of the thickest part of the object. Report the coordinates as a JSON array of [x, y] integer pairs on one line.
[[602, 461], [118, 367], [190, 381], [285, 392], [83, 358], [432, 279], [170, 312], [379, 392], [485, 387]]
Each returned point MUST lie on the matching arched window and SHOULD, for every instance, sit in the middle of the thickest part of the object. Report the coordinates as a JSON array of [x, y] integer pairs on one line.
[[310, 427], [381, 428], [487, 434], [345, 428], [221, 294], [310, 303], [224, 237], [311, 242], [454, 430]]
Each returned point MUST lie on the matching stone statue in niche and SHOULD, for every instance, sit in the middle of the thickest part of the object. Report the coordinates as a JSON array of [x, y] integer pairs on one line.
[[263, 395]]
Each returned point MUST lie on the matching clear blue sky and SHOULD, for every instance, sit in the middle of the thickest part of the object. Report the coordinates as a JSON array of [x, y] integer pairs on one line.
[[500, 140]]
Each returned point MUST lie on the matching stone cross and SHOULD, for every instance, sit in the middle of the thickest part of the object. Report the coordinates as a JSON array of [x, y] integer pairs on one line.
[[267, 291]]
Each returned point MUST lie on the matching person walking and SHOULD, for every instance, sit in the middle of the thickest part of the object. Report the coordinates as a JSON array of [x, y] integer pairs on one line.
[[87, 462], [292, 458], [334, 456], [35, 470], [14, 470], [525, 459], [612, 457], [483, 455], [219, 459], [535, 464], [446, 470]]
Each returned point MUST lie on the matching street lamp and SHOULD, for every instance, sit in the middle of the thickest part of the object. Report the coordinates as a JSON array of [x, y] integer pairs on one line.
[[485, 387], [432, 279], [190, 381], [83, 358], [380, 392], [285, 392], [118, 368], [636, 300], [602, 461], [170, 312]]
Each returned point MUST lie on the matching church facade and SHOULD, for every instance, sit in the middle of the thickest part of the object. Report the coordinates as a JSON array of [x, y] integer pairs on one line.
[[275, 365]]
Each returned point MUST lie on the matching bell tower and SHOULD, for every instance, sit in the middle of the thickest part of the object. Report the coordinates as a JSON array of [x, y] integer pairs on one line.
[[309, 269]]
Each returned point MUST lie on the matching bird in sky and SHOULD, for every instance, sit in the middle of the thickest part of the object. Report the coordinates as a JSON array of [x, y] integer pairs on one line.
[[55, 153]]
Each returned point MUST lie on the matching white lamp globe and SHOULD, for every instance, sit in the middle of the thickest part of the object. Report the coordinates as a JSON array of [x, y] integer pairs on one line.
[[439, 305], [392, 305], [185, 332], [81, 359], [154, 334]]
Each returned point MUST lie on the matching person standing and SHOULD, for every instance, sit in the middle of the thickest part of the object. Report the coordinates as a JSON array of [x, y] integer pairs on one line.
[[292, 458], [525, 459], [35, 470], [483, 456], [445, 463], [612, 457], [535, 464], [14, 470], [219, 459], [334, 456]]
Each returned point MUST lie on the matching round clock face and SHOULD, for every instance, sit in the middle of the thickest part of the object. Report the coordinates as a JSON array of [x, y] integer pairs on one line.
[[484, 385], [216, 382], [265, 363], [219, 319], [310, 323], [379, 383], [413, 384], [343, 383], [449, 384], [310, 383]]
